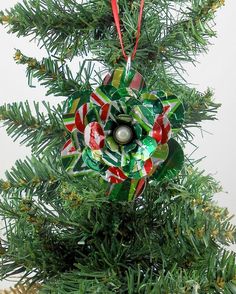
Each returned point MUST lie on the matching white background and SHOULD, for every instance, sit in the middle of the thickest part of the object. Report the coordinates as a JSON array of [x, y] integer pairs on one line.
[[215, 70]]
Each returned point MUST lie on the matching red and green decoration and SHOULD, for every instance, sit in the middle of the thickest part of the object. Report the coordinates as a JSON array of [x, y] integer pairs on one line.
[[124, 133]]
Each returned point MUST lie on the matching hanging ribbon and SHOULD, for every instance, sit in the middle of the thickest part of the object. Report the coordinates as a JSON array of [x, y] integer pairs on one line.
[[115, 10]]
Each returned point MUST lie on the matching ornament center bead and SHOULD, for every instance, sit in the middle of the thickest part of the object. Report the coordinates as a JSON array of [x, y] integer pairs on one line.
[[123, 134]]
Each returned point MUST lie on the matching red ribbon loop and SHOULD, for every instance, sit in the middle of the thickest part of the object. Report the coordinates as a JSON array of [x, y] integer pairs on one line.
[[115, 11]]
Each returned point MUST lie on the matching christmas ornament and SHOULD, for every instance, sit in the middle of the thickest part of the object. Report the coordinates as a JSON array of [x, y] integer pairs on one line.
[[123, 132]]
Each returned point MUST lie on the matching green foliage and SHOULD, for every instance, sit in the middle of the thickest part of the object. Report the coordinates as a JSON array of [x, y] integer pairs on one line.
[[62, 231], [44, 134], [198, 106], [173, 235], [69, 28], [35, 176], [136, 281], [56, 75]]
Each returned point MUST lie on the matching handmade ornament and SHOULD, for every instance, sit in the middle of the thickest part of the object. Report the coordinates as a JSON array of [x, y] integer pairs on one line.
[[123, 132]]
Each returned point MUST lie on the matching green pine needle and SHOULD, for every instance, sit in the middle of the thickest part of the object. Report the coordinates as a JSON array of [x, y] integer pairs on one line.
[[62, 231]]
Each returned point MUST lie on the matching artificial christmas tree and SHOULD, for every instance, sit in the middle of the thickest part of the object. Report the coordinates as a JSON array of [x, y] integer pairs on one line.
[[78, 232]]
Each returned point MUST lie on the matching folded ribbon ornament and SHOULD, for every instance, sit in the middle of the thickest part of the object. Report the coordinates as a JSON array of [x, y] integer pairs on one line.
[[123, 133]]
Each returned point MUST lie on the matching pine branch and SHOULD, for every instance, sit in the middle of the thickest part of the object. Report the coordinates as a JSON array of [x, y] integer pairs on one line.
[[177, 218], [44, 251], [169, 37], [199, 106], [43, 225], [42, 133], [35, 176], [64, 27], [56, 75], [135, 280], [69, 28], [191, 31]]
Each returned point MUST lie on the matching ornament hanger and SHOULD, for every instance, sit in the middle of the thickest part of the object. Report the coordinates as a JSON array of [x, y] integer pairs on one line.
[[128, 66], [115, 10]]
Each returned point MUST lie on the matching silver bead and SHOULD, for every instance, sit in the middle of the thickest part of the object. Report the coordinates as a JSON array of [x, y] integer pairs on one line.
[[123, 134]]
